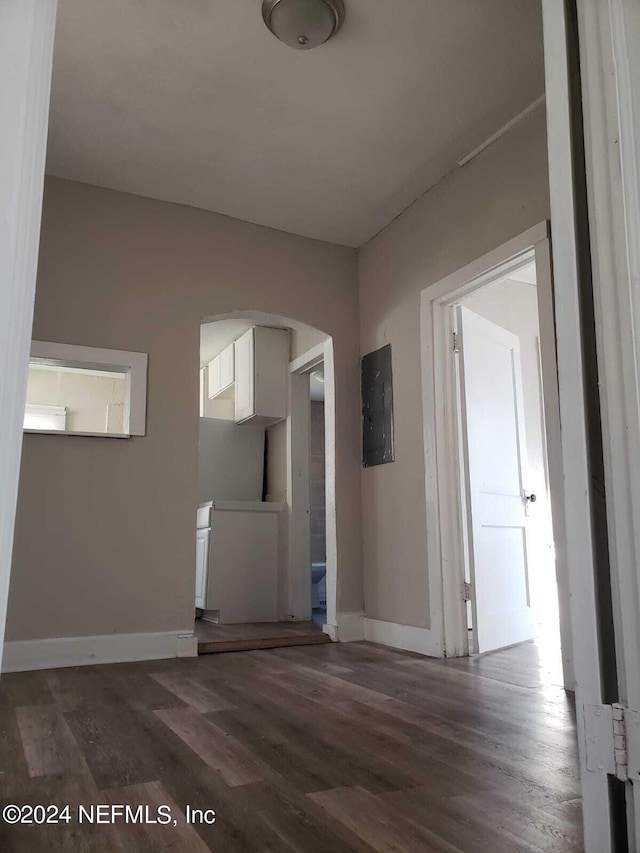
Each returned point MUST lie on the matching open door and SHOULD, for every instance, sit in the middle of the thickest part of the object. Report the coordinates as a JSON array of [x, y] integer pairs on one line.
[[495, 462]]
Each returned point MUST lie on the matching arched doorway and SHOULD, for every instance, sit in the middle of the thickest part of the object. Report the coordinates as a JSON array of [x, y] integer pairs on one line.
[[306, 532]]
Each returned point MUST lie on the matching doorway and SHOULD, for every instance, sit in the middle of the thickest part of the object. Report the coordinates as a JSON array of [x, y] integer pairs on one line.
[[317, 496], [262, 472], [510, 579], [313, 547], [501, 550]]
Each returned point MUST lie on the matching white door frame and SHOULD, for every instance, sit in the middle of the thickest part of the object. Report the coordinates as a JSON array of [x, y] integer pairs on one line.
[[299, 587], [445, 508], [26, 54], [608, 40], [609, 43]]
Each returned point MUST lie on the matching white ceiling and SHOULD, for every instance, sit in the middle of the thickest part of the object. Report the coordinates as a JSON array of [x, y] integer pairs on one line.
[[526, 274], [196, 102]]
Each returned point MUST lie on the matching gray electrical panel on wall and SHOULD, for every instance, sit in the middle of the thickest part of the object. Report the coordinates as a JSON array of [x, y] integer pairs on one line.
[[377, 408]]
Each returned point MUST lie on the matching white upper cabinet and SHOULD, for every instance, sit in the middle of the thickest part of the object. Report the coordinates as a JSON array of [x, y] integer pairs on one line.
[[262, 374], [245, 373], [213, 373], [221, 372], [227, 367]]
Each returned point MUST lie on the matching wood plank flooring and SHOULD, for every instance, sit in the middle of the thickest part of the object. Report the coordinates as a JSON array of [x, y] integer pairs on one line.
[[317, 749], [214, 639]]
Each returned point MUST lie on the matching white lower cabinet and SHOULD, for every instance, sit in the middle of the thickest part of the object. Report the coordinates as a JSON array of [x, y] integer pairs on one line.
[[202, 561], [245, 561]]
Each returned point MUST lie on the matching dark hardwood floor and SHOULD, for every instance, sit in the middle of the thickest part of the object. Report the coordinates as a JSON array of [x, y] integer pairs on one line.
[[214, 639], [317, 749]]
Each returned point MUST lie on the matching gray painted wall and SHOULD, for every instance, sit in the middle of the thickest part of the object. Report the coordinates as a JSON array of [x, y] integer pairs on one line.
[[495, 197], [105, 538], [114, 549]]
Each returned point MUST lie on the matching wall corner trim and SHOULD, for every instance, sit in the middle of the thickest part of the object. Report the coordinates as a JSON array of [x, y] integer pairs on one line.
[[27, 655], [350, 627], [332, 631], [405, 637]]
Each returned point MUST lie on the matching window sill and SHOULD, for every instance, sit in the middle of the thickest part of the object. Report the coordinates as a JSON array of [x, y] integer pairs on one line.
[[81, 434]]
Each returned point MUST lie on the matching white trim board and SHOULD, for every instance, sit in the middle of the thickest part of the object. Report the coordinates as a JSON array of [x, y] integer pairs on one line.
[[132, 367], [77, 434], [578, 488], [247, 506], [26, 52], [331, 631], [609, 44], [405, 637], [349, 627], [512, 251], [299, 542], [27, 655], [309, 359], [87, 371]]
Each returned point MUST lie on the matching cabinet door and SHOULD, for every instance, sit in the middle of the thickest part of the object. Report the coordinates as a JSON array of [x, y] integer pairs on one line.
[[271, 360], [244, 396], [214, 377], [202, 560], [227, 365], [203, 376]]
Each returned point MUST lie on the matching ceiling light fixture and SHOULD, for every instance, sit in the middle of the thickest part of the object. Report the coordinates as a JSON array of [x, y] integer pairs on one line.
[[303, 24]]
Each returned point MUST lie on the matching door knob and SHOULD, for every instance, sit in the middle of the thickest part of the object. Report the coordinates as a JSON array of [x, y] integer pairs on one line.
[[532, 498]]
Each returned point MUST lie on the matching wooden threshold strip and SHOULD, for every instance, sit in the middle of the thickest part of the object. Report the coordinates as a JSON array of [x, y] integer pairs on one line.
[[256, 643]]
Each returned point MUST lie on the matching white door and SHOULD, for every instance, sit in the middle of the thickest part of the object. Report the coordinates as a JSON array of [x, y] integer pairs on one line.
[[495, 464]]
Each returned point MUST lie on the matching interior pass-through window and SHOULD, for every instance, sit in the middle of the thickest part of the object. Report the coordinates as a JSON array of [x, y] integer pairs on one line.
[[85, 391]]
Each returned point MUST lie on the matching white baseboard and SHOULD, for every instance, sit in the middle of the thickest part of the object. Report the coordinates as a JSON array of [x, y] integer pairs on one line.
[[350, 627], [332, 631], [24, 655], [404, 637]]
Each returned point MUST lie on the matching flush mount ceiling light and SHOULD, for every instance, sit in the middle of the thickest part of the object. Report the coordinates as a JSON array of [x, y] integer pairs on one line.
[[303, 24]]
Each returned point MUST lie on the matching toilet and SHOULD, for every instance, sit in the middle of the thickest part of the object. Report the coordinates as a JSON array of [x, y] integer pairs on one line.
[[318, 584]]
